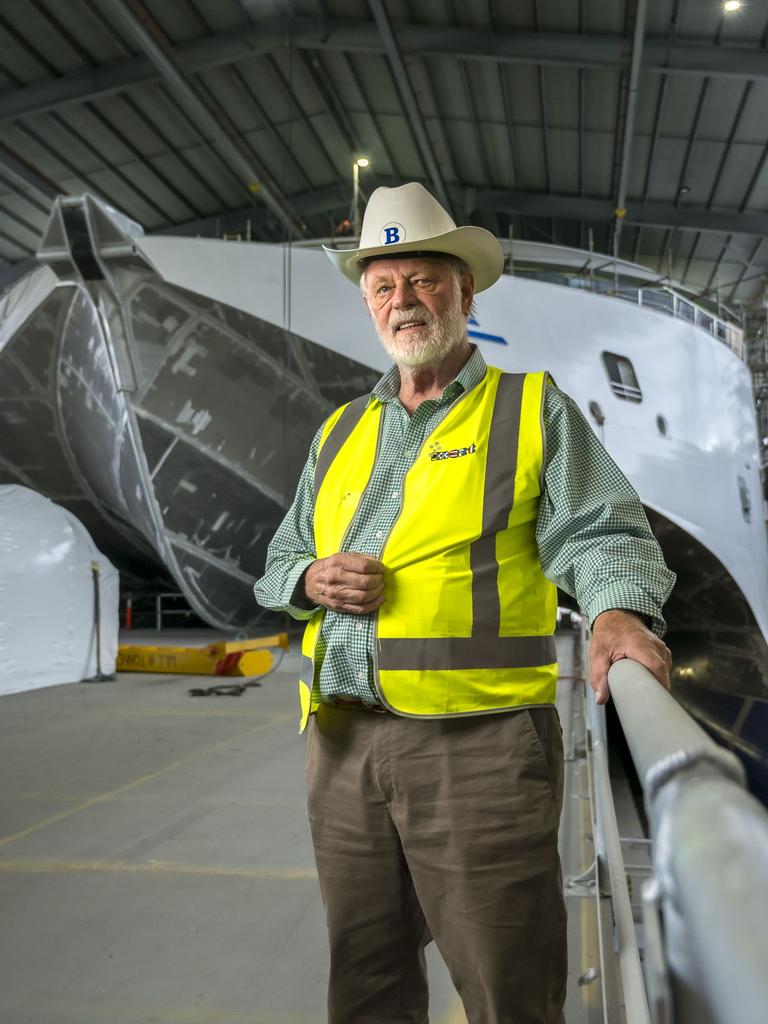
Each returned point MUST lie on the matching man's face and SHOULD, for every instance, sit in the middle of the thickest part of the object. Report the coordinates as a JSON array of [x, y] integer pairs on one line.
[[419, 306]]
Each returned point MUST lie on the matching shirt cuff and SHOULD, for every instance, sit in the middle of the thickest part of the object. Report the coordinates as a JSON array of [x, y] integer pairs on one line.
[[626, 598], [291, 579], [290, 585]]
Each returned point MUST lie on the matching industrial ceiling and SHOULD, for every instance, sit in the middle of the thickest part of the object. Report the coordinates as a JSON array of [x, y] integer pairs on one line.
[[639, 122]]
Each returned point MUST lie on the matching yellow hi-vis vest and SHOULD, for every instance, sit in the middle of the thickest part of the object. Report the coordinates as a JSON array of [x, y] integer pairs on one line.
[[467, 625]]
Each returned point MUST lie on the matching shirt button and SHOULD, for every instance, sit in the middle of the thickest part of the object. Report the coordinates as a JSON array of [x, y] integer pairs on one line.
[[379, 534], [359, 625], [395, 496], [361, 675]]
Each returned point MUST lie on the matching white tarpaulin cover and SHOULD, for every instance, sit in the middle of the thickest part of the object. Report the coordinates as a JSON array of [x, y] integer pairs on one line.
[[47, 629]]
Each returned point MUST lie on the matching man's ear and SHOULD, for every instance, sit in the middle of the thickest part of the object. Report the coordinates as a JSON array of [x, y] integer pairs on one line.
[[467, 292]]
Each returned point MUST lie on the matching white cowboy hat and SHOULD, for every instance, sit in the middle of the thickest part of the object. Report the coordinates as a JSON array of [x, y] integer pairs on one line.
[[407, 219]]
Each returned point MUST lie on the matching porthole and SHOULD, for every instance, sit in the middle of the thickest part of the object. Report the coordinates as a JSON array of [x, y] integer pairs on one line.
[[661, 423], [597, 413]]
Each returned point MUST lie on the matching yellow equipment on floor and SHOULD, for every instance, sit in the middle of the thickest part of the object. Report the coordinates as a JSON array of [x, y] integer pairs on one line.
[[226, 658]]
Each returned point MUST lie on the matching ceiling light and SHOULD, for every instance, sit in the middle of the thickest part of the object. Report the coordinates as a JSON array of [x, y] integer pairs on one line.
[[685, 189], [732, 5], [362, 161]]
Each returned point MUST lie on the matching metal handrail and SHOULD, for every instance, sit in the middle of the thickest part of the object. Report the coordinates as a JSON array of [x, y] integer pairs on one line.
[[710, 841]]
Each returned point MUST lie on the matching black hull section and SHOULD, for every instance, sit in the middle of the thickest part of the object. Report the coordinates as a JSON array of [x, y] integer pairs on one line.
[[173, 426], [720, 672]]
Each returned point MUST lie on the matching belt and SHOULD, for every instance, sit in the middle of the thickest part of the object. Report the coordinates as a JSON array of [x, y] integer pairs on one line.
[[356, 705]]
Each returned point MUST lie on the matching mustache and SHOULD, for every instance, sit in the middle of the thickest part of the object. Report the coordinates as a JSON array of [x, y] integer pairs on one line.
[[404, 316]]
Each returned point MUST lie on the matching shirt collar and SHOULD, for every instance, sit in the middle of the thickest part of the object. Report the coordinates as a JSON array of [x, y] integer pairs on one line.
[[468, 377]]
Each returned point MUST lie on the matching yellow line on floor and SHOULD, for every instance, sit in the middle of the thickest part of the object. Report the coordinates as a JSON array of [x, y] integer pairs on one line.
[[103, 797], [34, 865]]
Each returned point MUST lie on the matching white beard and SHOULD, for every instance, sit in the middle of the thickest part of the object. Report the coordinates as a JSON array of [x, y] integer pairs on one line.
[[437, 339]]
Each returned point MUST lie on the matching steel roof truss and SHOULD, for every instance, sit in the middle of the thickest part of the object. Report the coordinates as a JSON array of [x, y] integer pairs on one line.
[[373, 117], [408, 99], [229, 143], [684, 57]]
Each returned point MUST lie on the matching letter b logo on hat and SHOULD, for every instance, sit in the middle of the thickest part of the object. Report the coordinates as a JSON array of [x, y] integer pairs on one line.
[[391, 233]]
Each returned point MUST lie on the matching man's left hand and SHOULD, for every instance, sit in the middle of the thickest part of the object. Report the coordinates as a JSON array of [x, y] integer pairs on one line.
[[619, 634]]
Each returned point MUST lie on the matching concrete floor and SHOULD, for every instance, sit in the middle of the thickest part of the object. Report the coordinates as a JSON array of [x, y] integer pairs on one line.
[[155, 862]]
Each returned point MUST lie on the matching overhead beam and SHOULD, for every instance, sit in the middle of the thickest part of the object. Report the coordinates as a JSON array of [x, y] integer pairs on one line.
[[226, 222], [408, 99], [649, 214], [751, 260], [327, 93], [28, 178], [682, 57], [334, 198], [384, 147], [140, 27], [324, 200]]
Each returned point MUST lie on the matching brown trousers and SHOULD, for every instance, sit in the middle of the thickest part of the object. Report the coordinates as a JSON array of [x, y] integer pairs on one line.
[[443, 829]]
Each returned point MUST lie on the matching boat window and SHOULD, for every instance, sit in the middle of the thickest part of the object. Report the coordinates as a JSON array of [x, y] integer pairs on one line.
[[621, 374], [658, 299], [662, 425], [705, 322]]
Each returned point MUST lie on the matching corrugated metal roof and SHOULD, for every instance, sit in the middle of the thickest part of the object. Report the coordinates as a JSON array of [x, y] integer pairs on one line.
[[184, 112]]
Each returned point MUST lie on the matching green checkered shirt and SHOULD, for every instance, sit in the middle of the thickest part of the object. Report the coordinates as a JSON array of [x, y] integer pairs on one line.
[[592, 532]]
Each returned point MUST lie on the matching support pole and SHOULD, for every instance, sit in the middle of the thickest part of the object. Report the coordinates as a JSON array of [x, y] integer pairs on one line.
[[99, 677], [629, 122]]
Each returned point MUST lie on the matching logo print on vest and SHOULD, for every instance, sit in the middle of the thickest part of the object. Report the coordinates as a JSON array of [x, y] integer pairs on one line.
[[438, 455], [391, 233]]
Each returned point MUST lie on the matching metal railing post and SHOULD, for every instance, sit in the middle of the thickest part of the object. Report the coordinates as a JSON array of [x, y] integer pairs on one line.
[[635, 1000], [597, 732]]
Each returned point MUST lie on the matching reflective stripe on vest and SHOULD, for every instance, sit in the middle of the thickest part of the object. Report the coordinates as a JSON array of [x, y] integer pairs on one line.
[[498, 498], [468, 621], [340, 431], [460, 652]]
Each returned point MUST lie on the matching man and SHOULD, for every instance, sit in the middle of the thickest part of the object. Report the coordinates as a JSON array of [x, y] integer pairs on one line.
[[427, 535]]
